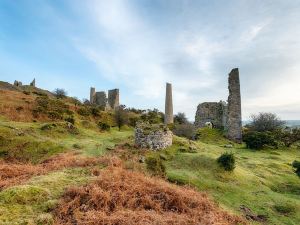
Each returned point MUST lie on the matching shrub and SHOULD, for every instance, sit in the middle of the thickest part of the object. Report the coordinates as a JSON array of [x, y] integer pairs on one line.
[[185, 130], [60, 93], [153, 116], [40, 93], [257, 140], [54, 115], [265, 122], [288, 137], [19, 108], [70, 120], [155, 165], [227, 161], [104, 126], [296, 165], [83, 111]]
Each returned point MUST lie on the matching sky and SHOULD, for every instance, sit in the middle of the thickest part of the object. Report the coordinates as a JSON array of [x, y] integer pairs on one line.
[[139, 45]]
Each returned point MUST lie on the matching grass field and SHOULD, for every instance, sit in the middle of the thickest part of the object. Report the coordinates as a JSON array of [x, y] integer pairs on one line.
[[263, 185]]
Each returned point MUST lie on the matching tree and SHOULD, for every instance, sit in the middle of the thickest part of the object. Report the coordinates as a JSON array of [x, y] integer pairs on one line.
[[265, 122], [60, 93], [180, 118], [121, 116]]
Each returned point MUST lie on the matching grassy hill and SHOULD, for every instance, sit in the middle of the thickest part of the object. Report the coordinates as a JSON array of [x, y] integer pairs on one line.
[[55, 172]]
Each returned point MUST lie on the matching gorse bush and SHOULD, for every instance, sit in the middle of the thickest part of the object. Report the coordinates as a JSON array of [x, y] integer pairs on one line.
[[296, 165], [155, 165], [227, 161], [258, 140]]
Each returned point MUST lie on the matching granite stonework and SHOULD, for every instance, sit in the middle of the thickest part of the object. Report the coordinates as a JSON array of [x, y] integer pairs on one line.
[[222, 115], [153, 137], [100, 99], [169, 118]]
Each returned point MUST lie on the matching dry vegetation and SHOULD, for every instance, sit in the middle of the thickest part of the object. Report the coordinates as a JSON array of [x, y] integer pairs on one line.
[[122, 197], [17, 173]]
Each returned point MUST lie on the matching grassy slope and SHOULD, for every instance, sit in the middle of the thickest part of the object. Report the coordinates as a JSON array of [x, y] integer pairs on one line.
[[262, 180]]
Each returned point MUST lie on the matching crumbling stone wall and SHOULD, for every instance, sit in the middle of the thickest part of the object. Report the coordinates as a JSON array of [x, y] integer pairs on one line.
[[213, 112], [154, 137], [113, 98], [17, 83], [100, 99], [234, 117], [92, 95], [32, 83], [221, 115], [169, 118]]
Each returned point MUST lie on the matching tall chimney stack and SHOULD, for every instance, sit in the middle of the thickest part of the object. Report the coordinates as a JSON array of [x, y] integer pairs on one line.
[[169, 105]]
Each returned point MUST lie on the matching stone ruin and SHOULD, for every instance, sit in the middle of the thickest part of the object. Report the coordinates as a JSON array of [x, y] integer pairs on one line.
[[222, 115], [153, 136], [19, 83], [169, 118], [100, 99]]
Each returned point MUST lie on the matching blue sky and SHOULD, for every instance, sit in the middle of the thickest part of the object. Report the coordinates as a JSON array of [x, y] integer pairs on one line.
[[139, 45]]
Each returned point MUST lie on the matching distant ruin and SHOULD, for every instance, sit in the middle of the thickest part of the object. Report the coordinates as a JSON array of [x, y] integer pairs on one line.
[[32, 83], [222, 115], [100, 99], [169, 118]]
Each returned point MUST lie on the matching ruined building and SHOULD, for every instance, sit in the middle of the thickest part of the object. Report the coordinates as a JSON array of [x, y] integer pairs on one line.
[[222, 115], [100, 99], [169, 105]]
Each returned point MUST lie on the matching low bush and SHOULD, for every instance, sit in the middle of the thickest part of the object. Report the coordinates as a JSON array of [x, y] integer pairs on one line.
[[26, 92], [103, 126], [155, 165], [83, 111], [53, 115], [185, 130], [258, 140], [296, 165], [227, 161], [70, 120], [285, 208]]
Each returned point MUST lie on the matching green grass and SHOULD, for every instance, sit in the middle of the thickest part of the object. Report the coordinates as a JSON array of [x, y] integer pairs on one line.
[[32, 202], [262, 180]]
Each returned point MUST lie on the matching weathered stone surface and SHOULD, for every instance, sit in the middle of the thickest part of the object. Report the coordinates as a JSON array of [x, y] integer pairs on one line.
[[234, 118], [113, 98], [169, 118], [154, 138], [92, 95], [211, 112], [32, 83], [17, 83], [100, 98]]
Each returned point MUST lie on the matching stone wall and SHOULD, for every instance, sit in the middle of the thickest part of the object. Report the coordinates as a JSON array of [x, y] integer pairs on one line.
[[214, 112], [154, 138], [234, 118], [100, 98], [113, 98], [92, 95]]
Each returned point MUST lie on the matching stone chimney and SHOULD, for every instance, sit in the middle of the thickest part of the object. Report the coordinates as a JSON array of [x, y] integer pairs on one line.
[[92, 95], [169, 105], [32, 83], [234, 118]]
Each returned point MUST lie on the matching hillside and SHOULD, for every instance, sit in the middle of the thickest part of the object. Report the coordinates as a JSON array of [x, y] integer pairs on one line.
[[59, 166]]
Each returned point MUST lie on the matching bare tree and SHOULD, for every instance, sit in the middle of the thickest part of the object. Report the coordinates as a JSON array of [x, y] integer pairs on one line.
[[60, 93]]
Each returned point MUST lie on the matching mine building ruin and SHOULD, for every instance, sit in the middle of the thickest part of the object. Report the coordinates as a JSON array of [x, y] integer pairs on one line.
[[108, 102], [222, 115]]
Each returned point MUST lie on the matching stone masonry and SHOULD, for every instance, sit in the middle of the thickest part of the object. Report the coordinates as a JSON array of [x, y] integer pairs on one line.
[[113, 98], [234, 116], [224, 115], [213, 112], [153, 138], [32, 83], [169, 119], [99, 98]]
